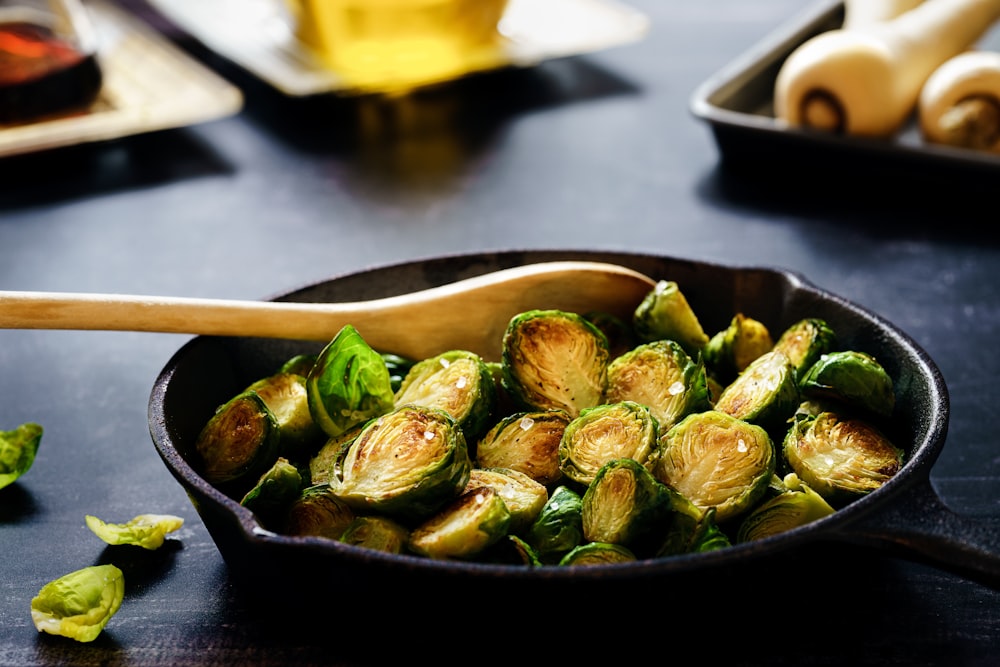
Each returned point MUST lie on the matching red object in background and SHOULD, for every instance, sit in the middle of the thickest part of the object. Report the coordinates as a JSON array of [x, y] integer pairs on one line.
[[41, 74]]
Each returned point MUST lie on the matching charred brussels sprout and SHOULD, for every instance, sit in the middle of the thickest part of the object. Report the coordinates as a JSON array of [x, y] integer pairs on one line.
[[796, 506], [465, 527], [318, 512], [524, 497], [240, 441], [666, 314], [717, 461], [805, 342], [597, 553], [286, 396], [527, 442], [661, 376], [559, 526], [274, 491], [145, 530], [838, 457], [852, 378], [80, 604], [377, 532], [18, 448], [554, 360], [458, 382], [604, 433], [349, 384], [731, 350], [406, 464], [765, 393], [625, 505]]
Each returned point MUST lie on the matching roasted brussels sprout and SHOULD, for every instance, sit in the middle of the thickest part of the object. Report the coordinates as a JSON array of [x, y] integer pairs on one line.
[[458, 382], [796, 506], [691, 529], [377, 532], [604, 433], [804, 342], [625, 505], [18, 448], [597, 553], [852, 378], [716, 461], [274, 491], [765, 393], [405, 464], [300, 364], [145, 530], [527, 442], [524, 497], [239, 442], [79, 605], [524, 552], [322, 463], [666, 314], [318, 512], [731, 350], [840, 458], [286, 396], [554, 360], [349, 384], [559, 526], [465, 527], [661, 376]]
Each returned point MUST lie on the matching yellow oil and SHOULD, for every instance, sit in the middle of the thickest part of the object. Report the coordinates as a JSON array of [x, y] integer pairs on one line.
[[400, 44]]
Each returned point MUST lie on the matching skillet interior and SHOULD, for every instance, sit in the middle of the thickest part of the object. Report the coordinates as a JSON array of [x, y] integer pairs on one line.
[[208, 370]]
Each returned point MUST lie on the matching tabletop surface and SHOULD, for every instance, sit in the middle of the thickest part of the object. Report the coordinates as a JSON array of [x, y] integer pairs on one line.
[[597, 151]]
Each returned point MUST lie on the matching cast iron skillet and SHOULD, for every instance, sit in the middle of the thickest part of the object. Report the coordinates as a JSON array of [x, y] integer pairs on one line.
[[904, 518]]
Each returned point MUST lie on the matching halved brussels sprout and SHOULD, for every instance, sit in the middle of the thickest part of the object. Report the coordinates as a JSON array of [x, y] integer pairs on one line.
[[731, 350], [661, 376], [274, 491], [716, 461], [805, 341], [604, 433], [465, 527], [854, 379], [527, 442], [559, 526], [349, 384], [322, 464], [840, 458], [625, 505], [406, 464], [18, 448], [79, 605], [318, 512], [597, 553], [239, 442], [458, 382], [691, 529], [145, 530], [377, 532], [554, 360], [286, 396], [666, 314], [796, 506], [524, 497], [525, 553], [765, 393]]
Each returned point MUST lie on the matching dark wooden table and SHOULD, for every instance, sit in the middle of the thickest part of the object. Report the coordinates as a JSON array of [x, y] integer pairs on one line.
[[590, 152]]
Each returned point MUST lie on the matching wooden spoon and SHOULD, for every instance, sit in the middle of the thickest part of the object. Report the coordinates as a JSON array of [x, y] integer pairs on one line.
[[469, 314]]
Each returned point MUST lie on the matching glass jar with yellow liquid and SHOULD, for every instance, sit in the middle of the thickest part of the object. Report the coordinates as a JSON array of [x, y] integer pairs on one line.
[[396, 45]]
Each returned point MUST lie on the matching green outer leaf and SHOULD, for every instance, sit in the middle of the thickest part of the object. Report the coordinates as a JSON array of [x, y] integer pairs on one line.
[[145, 530], [18, 448], [78, 605], [349, 384]]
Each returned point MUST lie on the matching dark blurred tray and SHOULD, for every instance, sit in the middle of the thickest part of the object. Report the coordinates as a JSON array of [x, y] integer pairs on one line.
[[736, 102]]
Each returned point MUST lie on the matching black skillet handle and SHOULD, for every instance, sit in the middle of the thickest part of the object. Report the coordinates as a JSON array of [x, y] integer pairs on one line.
[[920, 527]]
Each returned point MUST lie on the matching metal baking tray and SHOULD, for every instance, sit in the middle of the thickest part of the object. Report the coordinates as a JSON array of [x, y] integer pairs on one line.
[[257, 36], [736, 102], [148, 85]]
